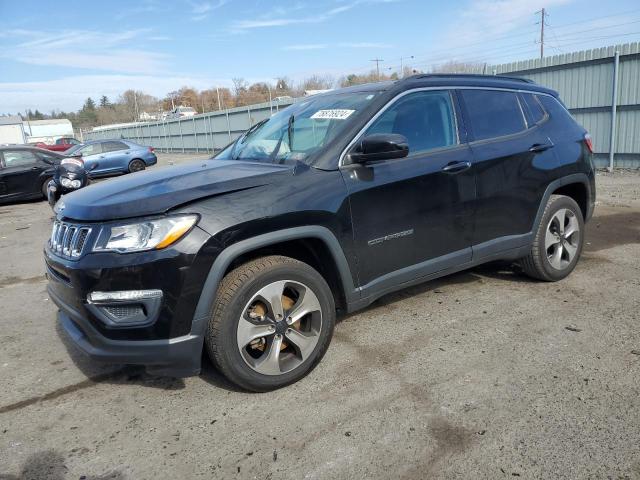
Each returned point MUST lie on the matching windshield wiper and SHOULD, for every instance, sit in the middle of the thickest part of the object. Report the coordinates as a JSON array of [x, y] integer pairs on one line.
[[289, 136], [242, 138]]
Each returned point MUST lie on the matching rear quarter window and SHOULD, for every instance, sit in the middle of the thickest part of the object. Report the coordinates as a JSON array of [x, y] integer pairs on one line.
[[493, 113], [534, 110], [554, 107]]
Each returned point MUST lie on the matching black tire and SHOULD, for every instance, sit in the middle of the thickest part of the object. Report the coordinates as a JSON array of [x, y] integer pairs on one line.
[[44, 187], [538, 264], [136, 165], [236, 290]]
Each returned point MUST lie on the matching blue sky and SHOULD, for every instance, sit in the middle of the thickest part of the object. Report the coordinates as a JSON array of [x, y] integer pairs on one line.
[[55, 54]]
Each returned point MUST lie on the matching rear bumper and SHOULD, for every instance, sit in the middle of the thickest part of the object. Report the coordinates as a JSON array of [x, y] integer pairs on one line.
[[175, 357]]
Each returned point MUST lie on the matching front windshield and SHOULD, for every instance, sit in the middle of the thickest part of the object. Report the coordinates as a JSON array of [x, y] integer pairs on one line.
[[73, 149], [297, 132]]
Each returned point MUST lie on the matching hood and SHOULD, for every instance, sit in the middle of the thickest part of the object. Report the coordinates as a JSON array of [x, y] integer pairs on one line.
[[156, 191]]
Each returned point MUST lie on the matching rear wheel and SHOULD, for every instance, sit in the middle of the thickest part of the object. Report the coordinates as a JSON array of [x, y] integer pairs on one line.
[[272, 323], [136, 165], [558, 242]]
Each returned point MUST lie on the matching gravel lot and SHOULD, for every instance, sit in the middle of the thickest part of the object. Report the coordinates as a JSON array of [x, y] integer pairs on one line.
[[472, 376]]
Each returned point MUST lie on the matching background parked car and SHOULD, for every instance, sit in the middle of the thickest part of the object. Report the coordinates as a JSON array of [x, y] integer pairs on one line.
[[113, 156], [60, 145], [182, 111], [25, 172]]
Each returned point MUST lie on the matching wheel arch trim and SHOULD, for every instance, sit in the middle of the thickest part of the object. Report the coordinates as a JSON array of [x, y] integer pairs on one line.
[[553, 186], [229, 254]]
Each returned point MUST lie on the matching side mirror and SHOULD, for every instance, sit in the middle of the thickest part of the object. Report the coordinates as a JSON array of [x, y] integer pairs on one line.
[[380, 146]]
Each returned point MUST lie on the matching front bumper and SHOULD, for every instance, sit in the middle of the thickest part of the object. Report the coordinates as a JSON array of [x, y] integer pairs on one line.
[[169, 344], [175, 357]]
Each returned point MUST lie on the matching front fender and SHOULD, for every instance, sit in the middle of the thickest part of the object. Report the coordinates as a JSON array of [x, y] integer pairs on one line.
[[229, 254]]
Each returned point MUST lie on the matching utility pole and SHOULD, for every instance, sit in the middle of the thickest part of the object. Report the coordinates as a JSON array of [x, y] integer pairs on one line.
[[401, 66], [543, 14], [377, 60]]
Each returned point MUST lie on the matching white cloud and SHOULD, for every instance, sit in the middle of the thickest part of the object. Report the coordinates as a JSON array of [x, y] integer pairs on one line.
[[275, 19], [320, 46], [69, 93], [312, 46], [364, 45], [201, 10], [88, 49], [484, 18]]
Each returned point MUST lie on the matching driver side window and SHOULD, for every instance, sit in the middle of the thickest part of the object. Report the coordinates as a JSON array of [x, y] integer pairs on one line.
[[425, 118]]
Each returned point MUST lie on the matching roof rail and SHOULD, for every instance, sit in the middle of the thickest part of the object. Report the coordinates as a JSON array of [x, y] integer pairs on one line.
[[471, 76]]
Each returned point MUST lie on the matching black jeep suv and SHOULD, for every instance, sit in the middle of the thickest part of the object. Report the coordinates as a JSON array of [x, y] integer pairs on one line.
[[330, 204]]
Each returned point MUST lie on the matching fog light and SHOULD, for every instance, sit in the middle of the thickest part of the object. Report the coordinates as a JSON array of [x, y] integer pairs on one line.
[[123, 296], [125, 308]]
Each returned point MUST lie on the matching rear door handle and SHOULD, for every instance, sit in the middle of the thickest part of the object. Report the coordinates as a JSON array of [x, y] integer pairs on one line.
[[455, 167], [540, 147]]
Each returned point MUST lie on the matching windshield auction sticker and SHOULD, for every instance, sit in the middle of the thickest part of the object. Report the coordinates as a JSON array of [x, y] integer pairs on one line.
[[334, 114]]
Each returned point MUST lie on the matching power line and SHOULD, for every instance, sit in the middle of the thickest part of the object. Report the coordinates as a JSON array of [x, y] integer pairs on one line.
[[491, 39]]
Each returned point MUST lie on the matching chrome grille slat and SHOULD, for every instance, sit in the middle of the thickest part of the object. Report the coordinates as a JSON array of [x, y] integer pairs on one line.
[[69, 240]]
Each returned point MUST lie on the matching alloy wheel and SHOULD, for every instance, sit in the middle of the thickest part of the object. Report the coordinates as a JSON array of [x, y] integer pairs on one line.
[[279, 327], [562, 238]]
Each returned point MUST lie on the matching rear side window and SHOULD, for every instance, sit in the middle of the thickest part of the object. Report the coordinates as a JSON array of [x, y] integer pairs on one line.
[[426, 119], [19, 158], [493, 113], [114, 146], [533, 107]]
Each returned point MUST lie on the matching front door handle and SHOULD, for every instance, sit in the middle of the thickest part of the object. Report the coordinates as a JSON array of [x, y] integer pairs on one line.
[[540, 147], [455, 167]]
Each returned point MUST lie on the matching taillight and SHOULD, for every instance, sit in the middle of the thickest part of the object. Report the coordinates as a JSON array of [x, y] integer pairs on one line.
[[151, 149], [588, 142]]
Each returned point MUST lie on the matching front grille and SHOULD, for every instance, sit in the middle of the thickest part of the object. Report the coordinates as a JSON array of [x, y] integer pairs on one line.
[[68, 240]]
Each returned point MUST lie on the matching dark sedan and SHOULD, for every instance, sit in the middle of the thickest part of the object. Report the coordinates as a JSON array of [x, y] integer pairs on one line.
[[25, 172]]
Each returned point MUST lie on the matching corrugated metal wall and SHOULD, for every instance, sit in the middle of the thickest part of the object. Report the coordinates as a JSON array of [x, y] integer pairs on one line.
[[583, 79], [206, 132], [585, 83]]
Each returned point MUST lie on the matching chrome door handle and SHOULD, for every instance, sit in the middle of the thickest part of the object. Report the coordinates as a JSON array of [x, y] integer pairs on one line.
[[540, 147], [455, 167]]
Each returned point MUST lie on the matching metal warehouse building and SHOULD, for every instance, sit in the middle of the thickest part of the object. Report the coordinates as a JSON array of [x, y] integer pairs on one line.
[[47, 131], [11, 130], [601, 88]]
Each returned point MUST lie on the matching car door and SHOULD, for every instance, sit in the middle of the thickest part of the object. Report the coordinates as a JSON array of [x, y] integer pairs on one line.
[[412, 216], [115, 155], [91, 154], [506, 150], [20, 173]]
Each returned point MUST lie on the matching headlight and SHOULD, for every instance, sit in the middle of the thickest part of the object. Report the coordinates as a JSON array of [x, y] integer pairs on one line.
[[148, 235], [68, 183]]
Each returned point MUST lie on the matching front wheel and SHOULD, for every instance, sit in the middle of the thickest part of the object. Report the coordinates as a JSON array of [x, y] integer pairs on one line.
[[45, 188], [558, 242], [272, 323]]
